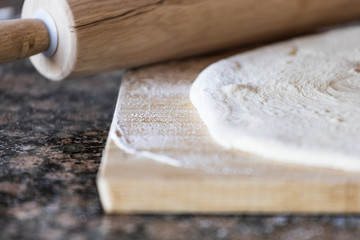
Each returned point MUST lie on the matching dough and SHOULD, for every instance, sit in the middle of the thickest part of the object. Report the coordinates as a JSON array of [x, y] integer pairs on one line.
[[296, 101]]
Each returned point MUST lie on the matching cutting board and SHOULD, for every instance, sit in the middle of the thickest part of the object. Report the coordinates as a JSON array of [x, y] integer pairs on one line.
[[159, 158]]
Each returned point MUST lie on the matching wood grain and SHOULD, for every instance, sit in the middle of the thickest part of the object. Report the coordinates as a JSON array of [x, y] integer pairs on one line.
[[212, 179], [97, 36], [22, 38]]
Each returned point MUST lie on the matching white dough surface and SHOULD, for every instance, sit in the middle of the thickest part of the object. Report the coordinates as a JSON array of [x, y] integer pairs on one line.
[[296, 101]]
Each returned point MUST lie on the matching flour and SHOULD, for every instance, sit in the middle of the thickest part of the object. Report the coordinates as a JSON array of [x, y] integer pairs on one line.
[[123, 143], [155, 120], [296, 101]]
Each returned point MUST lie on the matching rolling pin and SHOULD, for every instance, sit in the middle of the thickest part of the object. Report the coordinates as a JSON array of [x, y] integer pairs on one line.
[[69, 38]]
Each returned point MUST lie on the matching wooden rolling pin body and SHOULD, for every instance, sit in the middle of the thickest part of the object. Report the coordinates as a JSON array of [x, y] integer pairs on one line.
[[96, 36]]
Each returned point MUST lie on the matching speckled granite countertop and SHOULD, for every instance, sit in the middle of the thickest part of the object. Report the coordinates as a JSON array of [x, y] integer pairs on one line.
[[52, 135]]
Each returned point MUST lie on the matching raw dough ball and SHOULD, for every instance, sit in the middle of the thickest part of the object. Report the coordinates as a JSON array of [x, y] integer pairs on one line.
[[296, 101]]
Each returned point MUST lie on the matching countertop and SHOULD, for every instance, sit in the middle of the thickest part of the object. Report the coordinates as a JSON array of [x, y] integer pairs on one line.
[[52, 135]]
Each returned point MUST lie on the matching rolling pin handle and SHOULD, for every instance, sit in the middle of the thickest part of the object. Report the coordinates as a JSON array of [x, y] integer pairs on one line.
[[52, 29], [22, 38]]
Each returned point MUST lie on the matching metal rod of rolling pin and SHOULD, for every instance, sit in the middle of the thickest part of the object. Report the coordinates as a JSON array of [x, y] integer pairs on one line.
[[22, 38]]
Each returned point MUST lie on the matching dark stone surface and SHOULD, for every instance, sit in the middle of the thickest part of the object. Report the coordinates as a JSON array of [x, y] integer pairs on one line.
[[51, 139]]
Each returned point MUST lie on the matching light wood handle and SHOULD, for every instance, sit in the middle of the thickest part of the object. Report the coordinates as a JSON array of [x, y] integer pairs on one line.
[[22, 38]]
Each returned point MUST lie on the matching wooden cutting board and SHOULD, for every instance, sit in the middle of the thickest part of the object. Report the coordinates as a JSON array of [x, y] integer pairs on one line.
[[167, 161]]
